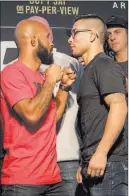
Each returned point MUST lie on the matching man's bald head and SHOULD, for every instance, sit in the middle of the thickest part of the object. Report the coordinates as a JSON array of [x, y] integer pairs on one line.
[[27, 29], [33, 39], [95, 22], [43, 21]]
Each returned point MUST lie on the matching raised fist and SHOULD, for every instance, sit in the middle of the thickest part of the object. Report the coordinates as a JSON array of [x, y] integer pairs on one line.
[[68, 77], [54, 73]]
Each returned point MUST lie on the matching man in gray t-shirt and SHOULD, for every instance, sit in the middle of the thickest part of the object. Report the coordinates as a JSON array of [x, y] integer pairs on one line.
[[102, 111], [118, 41]]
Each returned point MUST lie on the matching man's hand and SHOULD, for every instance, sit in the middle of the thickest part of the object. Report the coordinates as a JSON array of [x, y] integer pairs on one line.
[[68, 77], [79, 175], [54, 73], [97, 164]]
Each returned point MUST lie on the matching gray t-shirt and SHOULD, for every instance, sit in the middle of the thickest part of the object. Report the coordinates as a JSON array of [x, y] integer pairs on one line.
[[101, 76], [124, 67]]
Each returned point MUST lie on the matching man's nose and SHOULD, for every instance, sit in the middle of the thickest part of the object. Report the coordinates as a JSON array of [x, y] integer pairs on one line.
[[52, 45], [70, 39], [112, 37]]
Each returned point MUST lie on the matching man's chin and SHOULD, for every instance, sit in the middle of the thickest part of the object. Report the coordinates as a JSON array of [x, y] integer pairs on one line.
[[75, 54], [116, 49], [48, 61]]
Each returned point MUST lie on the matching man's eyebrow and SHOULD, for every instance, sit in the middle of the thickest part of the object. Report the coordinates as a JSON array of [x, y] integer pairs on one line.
[[117, 30], [114, 30]]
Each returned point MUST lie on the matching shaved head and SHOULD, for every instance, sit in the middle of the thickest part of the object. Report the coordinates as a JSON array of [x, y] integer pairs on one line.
[[95, 22], [43, 21], [33, 36], [87, 36], [98, 25], [27, 29]]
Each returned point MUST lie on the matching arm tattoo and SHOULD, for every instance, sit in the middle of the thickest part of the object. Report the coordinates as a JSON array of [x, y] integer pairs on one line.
[[115, 98], [43, 98]]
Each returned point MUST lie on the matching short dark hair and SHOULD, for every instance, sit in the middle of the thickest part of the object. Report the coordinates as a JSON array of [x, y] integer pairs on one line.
[[94, 16], [88, 16]]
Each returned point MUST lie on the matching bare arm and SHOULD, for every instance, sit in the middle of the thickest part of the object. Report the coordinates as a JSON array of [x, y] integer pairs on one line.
[[115, 121], [61, 98], [31, 110]]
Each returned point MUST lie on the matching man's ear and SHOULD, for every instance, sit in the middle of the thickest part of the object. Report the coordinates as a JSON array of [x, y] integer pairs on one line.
[[93, 36], [33, 41]]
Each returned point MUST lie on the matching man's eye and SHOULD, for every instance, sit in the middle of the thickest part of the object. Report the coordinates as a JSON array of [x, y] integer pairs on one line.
[[75, 32], [117, 32], [48, 35]]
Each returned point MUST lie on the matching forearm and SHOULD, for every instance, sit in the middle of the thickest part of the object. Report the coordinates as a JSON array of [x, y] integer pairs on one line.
[[115, 122], [40, 103], [61, 99]]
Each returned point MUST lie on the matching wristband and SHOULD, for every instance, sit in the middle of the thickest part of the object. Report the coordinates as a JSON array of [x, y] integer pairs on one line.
[[65, 88]]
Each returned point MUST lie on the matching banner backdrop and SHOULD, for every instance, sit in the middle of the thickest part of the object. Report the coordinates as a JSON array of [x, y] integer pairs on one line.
[[60, 15]]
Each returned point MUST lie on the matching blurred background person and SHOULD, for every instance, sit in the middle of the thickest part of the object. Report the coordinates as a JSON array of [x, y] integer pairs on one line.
[[118, 41]]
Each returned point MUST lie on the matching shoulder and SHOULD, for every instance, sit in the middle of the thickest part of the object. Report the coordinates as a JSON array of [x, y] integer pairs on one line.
[[123, 64], [106, 63], [11, 71], [9, 67]]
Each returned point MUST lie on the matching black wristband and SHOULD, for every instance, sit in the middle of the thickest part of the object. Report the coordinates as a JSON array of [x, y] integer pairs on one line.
[[65, 88]]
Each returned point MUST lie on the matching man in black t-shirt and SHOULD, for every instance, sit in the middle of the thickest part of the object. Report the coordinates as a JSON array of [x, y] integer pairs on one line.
[[102, 111]]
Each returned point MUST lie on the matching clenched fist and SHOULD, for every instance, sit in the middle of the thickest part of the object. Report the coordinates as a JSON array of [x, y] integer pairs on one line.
[[68, 77], [54, 73]]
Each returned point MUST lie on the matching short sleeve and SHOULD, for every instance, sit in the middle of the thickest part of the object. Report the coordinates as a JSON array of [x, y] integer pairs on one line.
[[109, 77], [14, 86]]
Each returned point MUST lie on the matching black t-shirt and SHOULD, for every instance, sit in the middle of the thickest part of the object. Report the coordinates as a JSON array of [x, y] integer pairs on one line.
[[101, 76]]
